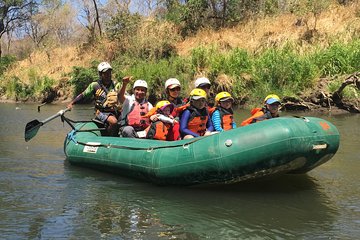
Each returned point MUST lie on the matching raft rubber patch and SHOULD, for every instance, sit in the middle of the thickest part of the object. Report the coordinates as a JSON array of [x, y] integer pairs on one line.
[[91, 147]]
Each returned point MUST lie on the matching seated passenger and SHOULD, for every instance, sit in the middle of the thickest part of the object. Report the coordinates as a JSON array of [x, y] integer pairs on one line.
[[107, 109], [172, 91], [270, 110], [136, 106], [195, 120], [222, 118], [204, 84], [162, 122]]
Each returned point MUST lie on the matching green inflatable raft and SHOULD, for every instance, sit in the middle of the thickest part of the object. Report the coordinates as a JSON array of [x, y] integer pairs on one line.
[[281, 145]]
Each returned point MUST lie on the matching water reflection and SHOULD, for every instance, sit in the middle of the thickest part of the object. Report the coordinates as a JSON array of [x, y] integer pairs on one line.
[[43, 197], [289, 206]]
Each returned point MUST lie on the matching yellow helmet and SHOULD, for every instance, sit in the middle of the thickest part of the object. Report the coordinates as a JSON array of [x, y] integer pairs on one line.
[[272, 98], [163, 104], [223, 96], [197, 93]]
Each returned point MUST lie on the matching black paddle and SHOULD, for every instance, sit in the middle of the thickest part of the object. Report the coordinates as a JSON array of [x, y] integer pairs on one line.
[[32, 127]]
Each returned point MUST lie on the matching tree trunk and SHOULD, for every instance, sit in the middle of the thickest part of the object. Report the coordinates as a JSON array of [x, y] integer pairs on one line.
[[97, 17]]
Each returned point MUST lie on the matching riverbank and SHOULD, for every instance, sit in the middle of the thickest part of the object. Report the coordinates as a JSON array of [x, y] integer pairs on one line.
[[305, 72]]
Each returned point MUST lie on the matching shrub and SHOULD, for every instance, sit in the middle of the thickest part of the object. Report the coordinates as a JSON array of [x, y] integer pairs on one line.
[[339, 58], [283, 68], [81, 77], [5, 62]]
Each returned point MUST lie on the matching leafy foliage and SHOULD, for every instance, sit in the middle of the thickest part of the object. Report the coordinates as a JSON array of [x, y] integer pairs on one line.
[[81, 77], [339, 58], [5, 62]]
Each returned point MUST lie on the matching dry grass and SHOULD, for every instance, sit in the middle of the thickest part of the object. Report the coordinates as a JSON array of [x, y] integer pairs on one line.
[[56, 62], [338, 22]]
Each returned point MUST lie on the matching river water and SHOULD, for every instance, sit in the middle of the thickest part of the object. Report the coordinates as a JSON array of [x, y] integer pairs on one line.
[[42, 196]]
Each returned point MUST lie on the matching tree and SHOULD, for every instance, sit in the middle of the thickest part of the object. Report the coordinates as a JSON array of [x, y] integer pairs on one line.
[[91, 18], [13, 14], [53, 24]]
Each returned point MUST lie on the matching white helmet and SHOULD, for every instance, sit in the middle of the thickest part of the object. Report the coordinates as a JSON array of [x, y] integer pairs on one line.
[[172, 83], [201, 81], [104, 66], [140, 83]]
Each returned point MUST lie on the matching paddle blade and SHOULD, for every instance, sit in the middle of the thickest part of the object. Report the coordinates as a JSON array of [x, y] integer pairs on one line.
[[31, 129]]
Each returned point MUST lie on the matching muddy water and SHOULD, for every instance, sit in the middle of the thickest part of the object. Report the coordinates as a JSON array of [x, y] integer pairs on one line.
[[43, 197]]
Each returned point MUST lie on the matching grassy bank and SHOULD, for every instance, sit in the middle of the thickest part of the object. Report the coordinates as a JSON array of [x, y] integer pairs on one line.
[[283, 54], [281, 70]]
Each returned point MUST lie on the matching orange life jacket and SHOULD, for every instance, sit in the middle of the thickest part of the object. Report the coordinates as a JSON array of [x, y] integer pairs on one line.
[[178, 110], [197, 121], [211, 110], [258, 114], [135, 116], [226, 117], [158, 130]]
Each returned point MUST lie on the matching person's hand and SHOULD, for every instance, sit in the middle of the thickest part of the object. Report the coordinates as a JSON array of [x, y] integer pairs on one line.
[[207, 133], [70, 105], [154, 118], [126, 79]]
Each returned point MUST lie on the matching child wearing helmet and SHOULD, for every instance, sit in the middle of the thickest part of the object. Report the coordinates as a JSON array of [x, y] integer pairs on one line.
[[172, 90], [104, 92], [204, 84], [195, 120], [162, 121], [270, 110], [223, 116], [135, 106]]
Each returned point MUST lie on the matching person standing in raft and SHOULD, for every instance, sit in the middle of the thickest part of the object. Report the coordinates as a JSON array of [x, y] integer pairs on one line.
[[104, 92], [270, 110], [195, 120], [162, 121], [135, 107], [223, 116]]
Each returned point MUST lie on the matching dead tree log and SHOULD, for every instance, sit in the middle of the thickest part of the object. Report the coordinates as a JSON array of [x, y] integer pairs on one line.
[[337, 96]]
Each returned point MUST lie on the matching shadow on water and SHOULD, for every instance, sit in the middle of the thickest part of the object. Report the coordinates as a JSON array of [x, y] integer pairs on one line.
[[101, 204]]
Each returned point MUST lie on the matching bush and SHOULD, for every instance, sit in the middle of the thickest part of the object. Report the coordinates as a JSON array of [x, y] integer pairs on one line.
[[155, 73], [339, 58], [81, 78], [5, 62], [283, 68]]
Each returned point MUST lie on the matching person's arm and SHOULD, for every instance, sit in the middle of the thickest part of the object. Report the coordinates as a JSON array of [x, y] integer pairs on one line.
[[234, 125], [121, 92], [165, 119], [88, 91], [209, 125], [184, 124], [216, 121]]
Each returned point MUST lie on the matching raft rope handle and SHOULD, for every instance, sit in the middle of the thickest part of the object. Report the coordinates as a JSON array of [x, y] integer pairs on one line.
[[71, 136], [149, 149], [304, 118]]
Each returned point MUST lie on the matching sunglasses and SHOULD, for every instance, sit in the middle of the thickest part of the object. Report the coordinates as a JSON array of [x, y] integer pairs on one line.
[[175, 89], [205, 87]]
